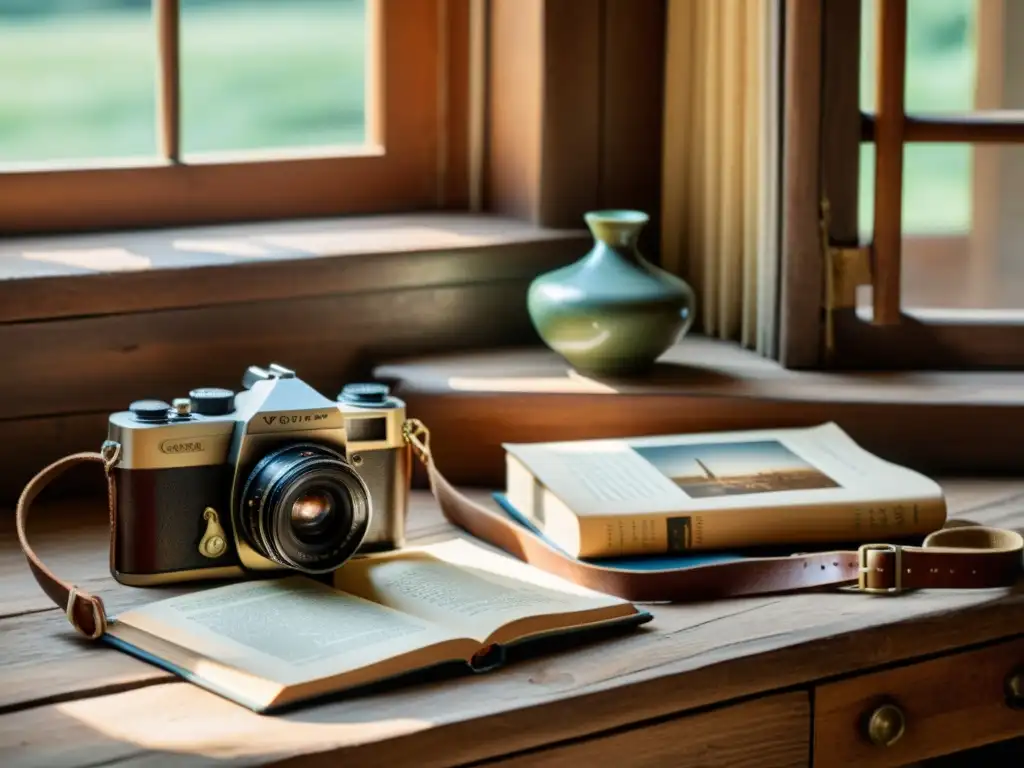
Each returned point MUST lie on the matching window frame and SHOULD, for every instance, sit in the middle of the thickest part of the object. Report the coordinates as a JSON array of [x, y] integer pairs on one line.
[[826, 116], [413, 96], [563, 112]]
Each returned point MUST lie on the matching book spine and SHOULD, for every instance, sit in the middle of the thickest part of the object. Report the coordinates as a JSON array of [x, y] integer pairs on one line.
[[861, 522]]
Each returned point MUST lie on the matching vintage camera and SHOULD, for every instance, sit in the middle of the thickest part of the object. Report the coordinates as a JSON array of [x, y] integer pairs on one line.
[[277, 477]]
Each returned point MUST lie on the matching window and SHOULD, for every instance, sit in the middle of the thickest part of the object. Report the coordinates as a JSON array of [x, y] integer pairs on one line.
[[488, 128], [941, 75], [118, 113], [918, 165]]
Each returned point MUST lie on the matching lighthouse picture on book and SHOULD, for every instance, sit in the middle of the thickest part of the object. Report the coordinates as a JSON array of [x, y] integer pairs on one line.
[[703, 470]]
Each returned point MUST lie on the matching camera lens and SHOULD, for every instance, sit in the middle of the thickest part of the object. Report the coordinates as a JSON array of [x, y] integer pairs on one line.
[[312, 515], [305, 507]]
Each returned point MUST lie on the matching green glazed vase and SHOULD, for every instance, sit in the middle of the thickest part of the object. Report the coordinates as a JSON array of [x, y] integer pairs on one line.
[[612, 313]]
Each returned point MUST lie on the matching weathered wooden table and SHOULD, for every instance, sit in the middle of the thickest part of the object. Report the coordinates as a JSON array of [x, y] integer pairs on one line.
[[784, 680]]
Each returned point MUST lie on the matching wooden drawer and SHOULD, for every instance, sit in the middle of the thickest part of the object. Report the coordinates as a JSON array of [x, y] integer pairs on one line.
[[773, 732], [944, 705]]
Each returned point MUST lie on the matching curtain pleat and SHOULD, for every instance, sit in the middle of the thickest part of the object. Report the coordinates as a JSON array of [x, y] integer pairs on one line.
[[717, 171]]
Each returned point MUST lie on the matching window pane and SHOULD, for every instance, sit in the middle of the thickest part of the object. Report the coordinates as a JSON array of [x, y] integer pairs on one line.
[[936, 189], [941, 60], [76, 80], [271, 74], [963, 248], [963, 205], [941, 73]]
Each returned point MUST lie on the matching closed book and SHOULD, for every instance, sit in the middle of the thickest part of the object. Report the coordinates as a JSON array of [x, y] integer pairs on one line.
[[717, 491]]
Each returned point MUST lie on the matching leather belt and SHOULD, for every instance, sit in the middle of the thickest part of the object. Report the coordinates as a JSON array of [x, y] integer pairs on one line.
[[963, 557], [966, 557]]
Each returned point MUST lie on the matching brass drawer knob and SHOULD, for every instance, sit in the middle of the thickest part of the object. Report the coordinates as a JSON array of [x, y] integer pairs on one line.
[[886, 725], [1015, 689]]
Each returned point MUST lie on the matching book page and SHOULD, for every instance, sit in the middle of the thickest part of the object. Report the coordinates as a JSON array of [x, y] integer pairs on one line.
[[472, 590], [287, 630]]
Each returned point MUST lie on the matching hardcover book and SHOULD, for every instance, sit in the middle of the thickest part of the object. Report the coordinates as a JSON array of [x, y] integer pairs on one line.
[[270, 643], [715, 491]]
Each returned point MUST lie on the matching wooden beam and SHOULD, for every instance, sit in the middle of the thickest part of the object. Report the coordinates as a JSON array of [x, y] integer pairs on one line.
[[987, 174], [934, 339], [544, 109], [889, 136], [574, 107], [167, 14], [476, 102], [840, 154], [632, 110], [455, 66], [802, 275], [994, 126]]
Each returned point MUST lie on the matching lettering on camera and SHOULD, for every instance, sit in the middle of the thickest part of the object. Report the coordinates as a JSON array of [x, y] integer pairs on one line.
[[298, 418], [182, 446]]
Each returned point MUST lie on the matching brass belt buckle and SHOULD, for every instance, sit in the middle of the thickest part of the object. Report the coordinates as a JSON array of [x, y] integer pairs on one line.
[[863, 570]]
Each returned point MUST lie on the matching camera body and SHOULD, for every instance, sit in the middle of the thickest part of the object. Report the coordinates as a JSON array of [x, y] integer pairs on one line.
[[276, 477]]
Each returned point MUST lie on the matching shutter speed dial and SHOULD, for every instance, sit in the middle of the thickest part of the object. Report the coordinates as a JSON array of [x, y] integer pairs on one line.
[[149, 410], [212, 401]]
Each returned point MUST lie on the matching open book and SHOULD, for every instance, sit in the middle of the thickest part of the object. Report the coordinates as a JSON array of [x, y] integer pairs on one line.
[[269, 643], [676, 494]]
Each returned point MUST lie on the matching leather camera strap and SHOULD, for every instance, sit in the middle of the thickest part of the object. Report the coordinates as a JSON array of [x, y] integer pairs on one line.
[[85, 612], [968, 557]]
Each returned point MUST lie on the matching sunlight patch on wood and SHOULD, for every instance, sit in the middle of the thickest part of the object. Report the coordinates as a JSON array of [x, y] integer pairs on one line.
[[569, 384], [161, 717], [98, 259]]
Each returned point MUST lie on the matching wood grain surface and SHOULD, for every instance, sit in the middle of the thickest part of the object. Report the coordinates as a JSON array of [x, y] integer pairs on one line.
[[44, 278], [117, 359], [772, 731], [67, 702]]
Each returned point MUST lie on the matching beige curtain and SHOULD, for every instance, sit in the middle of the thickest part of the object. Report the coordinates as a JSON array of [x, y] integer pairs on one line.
[[720, 134]]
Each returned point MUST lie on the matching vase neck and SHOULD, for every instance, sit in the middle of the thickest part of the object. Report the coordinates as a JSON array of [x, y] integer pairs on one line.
[[617, 233]]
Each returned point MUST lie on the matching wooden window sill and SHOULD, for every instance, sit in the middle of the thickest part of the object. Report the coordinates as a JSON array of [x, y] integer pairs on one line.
[[90, 323], [47, 277], [938, 422]]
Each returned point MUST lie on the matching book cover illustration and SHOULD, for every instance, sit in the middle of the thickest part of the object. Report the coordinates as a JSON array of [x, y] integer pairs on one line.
[[704, 470]]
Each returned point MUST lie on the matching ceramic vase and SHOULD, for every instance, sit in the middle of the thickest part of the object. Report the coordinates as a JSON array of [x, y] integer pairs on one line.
[[612, 313]]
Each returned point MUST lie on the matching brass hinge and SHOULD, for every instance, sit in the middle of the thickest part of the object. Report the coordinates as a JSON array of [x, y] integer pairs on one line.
[[845, 269]]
